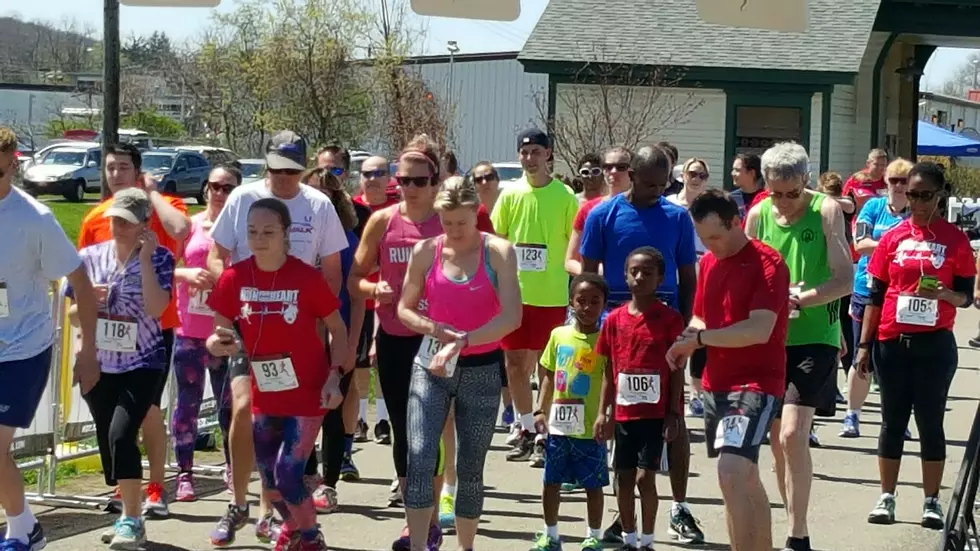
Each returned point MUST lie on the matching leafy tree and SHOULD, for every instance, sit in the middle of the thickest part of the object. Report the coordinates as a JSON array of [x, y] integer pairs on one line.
[[155, 124], [964, 77]]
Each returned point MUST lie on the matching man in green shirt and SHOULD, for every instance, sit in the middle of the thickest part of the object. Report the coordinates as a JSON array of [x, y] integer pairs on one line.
[[807, 228]]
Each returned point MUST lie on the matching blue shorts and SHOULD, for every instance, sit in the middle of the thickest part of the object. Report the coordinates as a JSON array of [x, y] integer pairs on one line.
[[575, 460], [22, 383]]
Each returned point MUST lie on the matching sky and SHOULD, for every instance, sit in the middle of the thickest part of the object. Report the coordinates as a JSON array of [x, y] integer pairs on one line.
[[471, 36]]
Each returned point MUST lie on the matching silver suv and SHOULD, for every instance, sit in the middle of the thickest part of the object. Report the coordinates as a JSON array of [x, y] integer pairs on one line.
[[69, 171]]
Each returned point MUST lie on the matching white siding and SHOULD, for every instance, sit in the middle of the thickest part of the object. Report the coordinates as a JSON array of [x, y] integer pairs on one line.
[[845, 150], [863, 84], [954, 112], [493, 100], [816, 123], [698, 132]]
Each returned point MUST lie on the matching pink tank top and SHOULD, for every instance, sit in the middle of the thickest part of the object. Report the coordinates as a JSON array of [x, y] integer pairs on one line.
[[478, 297], [400, 237], [196, 319]]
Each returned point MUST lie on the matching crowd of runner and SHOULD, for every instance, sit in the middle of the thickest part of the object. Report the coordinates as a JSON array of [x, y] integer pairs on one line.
[[614, 298]]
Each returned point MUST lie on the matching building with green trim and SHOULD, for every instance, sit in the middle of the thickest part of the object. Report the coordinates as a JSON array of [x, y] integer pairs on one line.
[[848, 83]]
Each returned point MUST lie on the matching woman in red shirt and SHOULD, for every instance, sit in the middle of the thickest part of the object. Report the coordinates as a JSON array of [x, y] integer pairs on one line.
[[276, 302], [922, 270]]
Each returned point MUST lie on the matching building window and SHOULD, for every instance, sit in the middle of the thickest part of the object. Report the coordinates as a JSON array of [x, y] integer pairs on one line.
[[942, 118], [758, 128]]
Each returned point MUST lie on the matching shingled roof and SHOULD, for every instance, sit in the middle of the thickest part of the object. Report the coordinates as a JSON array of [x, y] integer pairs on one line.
[[670, 32]]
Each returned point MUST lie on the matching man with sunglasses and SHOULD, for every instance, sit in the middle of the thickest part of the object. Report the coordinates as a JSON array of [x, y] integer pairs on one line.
[[316, 236], [642, 217], [807, 228], [590, 174]]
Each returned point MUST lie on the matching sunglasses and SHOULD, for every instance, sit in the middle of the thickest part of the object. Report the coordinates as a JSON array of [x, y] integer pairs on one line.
[[223, 188], [335, 170], [795, 194], [698, 175], [485, 179], [921, 196], [590, 172], [417, 181], [896, 181], [372, 174], [287, 171], [618, 167]]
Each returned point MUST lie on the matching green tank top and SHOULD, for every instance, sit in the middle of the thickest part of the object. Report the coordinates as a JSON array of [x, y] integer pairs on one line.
[[804, 248]]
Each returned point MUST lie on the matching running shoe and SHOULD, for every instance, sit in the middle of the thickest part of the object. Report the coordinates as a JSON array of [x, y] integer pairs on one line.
[[515, 434], [507, 417], [447, 512], [814, 441], [115, 503], [185, 488], [316, 545], [646, 548], [592, 544], [35, 541], [974, 342], [695, 408], [685, 527], [435, 538], [155, 504], [543, 542], [234, 519], [395, 496], [288, 541], [932, 514], [569, 487], [268, 529], [851, 427], [382, 433], [312, 482], [403, 542], [325, 499], [523, 448], [130, 534], [348, 471], [614, 534], [537, 454], [884, 511], [361, 432]]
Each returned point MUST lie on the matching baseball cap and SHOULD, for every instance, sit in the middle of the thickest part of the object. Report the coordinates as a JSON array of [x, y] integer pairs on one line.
[[533, 136], [286, 151], [131, 204]]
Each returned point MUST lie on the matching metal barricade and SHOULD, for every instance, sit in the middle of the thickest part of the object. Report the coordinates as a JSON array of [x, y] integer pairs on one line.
[[960, 532]]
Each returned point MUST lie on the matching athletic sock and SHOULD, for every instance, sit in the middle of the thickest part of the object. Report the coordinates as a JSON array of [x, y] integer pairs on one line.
[[382, 409], [646, 540], [676, 507], [629, 539], [594, 533], [20, 526], [552, 531], [362, 410], [348, 443], [527, 422], [854, 412], [449, 490]]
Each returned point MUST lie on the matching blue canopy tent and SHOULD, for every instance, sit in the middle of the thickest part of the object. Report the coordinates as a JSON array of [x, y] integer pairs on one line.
[[933, 140]]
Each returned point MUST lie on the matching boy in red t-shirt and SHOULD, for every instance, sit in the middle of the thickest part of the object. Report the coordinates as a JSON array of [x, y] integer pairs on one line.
[[646, 394]]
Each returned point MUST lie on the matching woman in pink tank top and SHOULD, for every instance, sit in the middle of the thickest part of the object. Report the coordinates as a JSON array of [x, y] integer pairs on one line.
[[462, 294]]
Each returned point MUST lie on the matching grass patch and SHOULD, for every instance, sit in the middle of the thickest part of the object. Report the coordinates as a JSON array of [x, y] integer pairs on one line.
[[70, 214]]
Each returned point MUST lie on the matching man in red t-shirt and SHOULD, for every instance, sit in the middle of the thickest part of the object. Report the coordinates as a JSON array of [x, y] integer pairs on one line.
[[868, 182], [741, 311]]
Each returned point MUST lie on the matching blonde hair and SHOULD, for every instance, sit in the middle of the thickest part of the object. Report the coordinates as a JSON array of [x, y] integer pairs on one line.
[[830, 183], [899, 167], [692, 160], [877, 154], [8, 140], [457, 192]]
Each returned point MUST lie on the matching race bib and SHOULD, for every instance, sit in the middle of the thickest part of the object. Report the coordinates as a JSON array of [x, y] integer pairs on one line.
[[199, 303], [429, 348], [567, 419], [635, 388], [914, 310], [731, 431], [274, 374], [531, 258], [116, 335], [4, 302]]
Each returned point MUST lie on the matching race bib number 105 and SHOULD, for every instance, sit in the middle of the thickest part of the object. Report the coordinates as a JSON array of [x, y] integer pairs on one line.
[[920, 311]]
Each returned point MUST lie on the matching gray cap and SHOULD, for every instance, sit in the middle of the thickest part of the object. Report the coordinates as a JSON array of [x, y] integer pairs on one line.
[[286, 151], [130, 204]]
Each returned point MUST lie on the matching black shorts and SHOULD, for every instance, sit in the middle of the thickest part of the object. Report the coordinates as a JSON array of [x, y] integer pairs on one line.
[[737, 422], [639, 444], [811, 376], [365, 340], [698, 361], [168, 346]]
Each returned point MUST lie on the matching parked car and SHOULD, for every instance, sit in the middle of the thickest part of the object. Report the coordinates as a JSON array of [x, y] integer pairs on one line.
[[253, 170], [139, 138], [67, 170], [177, 172], [215, 155]]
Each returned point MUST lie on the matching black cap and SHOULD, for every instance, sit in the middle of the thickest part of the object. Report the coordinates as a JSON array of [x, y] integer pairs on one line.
[[532, 136], [286, 151]]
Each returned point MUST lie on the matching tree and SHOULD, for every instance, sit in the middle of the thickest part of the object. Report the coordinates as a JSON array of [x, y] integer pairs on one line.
[[964, 77], [157, 125], [613, 104]]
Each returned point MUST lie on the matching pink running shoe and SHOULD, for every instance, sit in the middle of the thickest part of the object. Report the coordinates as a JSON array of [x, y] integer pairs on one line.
[[185, 487]]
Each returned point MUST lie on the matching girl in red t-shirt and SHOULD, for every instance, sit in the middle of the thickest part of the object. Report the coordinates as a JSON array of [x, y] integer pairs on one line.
[[277, 302]]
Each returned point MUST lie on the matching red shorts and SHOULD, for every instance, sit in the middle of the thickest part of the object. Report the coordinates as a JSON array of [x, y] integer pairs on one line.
[[535, 330]]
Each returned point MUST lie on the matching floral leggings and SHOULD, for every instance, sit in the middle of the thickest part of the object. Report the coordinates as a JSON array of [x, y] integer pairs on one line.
[[282, 448], [191, 362]]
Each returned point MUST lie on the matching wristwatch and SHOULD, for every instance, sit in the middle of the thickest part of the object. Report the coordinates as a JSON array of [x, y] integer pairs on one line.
[[700, 342], [464, 340]]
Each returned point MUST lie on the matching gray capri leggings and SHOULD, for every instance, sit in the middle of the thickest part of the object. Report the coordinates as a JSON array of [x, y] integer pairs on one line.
[[475, 388]]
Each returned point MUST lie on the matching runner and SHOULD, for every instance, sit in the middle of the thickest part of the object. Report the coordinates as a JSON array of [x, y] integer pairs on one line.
[[316, 236], [674, 184], [387, 245], [807, 228], [534, 213], [170, 225], [459, 361], [568, 410], [868, 182], [747, 178], [449, 166], [136, 276], [374, 179], [35, 251], [294, 379], [643, 217], [192, 361], [921, 271], [878, 215], [616, 173], [646, 397], [590, 174], [740, 316]]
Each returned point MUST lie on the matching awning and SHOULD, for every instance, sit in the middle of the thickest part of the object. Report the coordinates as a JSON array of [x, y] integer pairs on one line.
[[934, 140]]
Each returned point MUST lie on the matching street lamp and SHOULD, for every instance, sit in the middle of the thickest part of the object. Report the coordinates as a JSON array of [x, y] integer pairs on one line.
[[976, 66], [453, 49]]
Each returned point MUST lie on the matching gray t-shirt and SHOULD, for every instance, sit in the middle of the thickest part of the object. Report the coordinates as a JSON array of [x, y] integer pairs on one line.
[[34, 251]]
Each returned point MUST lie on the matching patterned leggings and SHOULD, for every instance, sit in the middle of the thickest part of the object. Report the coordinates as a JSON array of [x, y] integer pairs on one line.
[[191, 362], [282, 448]]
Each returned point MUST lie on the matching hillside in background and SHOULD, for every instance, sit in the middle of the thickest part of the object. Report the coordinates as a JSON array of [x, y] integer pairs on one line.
[[28, 50]]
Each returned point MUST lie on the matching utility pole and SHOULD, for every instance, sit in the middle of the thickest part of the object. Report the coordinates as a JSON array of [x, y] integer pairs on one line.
[[110, 81], [453, 48]]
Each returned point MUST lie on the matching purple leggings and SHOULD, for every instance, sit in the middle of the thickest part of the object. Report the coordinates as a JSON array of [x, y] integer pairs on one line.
[[191, 360], [282, 448]]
